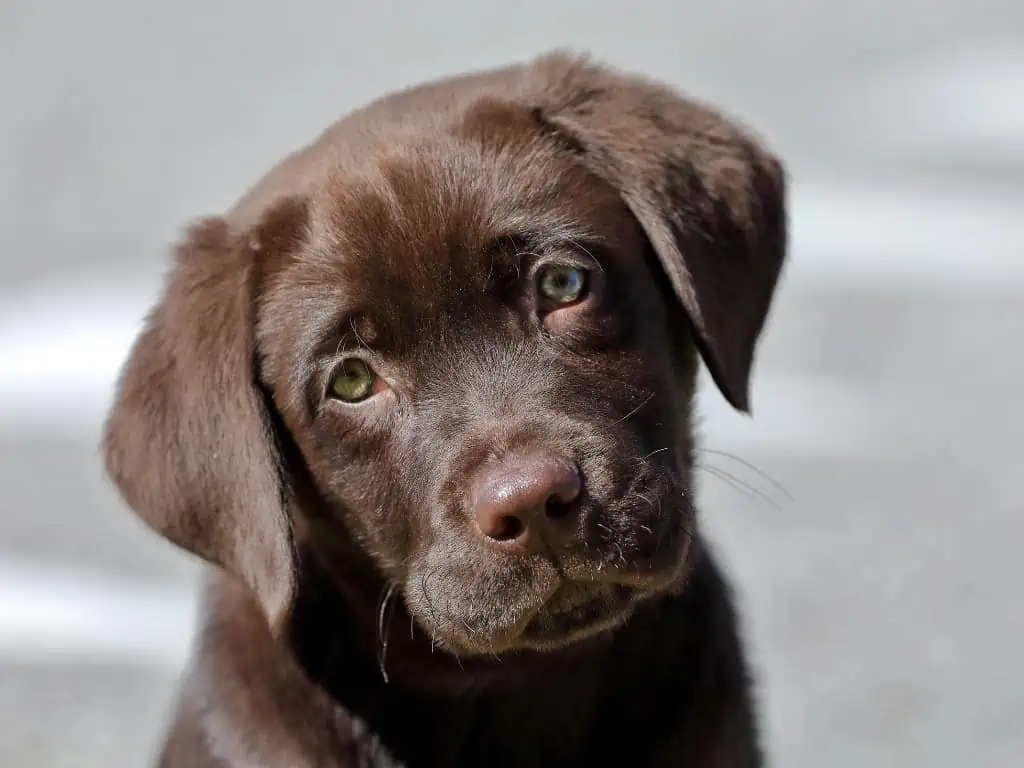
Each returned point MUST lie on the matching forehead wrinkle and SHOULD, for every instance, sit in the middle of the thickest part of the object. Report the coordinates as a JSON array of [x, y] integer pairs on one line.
[[409, 232], [459, 188], [429, 248]]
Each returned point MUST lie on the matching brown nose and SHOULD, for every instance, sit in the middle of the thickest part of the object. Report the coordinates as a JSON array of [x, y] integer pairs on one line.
[[527, 501]]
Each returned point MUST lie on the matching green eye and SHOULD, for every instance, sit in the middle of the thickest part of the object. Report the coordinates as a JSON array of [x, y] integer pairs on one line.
[[562, 284], [352, 381]]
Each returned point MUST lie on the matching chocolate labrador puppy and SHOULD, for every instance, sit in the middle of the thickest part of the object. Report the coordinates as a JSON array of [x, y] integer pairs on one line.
[[424, 397]]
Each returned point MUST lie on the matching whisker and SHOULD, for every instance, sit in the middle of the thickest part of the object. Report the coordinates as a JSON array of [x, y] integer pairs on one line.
[[355, 332], [519, 260], [739, 486], [490, 271], [384, 617], [431, 608], [587, 251], [448, 615], [341, 344], [650, 503], [469, 628], [645, 402], [760, 472], [660, 450]]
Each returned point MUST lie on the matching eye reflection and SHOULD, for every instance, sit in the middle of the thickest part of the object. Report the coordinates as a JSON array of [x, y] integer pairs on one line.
[[352, 381], [562, 283]]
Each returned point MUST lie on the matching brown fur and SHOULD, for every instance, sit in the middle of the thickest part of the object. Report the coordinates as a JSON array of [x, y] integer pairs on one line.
[[356, 616]]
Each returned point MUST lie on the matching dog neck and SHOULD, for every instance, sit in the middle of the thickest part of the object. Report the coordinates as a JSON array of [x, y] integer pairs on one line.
[[384, 669]]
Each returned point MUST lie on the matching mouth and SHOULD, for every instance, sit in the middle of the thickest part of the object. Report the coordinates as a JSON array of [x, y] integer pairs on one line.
[[578, 610]]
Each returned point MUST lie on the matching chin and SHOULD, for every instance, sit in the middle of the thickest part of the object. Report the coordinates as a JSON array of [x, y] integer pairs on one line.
[[575, 611], [578, 611]]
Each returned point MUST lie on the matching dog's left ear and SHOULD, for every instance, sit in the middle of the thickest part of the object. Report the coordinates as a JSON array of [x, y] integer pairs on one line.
[[189, 440], [710, 199]]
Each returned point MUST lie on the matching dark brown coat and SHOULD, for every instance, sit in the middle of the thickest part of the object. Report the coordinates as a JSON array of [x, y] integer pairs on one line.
[[364, 607]]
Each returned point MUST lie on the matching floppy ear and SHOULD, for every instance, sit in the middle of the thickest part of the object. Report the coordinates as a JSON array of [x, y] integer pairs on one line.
[[710, 199], [189, 441]]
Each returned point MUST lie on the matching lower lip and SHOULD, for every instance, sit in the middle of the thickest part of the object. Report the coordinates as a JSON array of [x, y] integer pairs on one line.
[[599, 610]]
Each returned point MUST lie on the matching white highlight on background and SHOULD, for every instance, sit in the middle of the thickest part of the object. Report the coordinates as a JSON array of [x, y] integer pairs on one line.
[[965, 104], [52, 613]]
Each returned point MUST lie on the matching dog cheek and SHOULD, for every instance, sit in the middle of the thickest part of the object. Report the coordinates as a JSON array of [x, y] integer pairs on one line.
[[361, 506], [430, 595]]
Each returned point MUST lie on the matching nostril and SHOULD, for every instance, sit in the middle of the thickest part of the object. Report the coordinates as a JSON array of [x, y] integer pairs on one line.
[[564, 494], [513, 500], [505, 528], [556, 508]]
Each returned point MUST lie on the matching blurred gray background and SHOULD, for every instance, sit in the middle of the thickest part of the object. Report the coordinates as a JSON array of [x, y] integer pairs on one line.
[[883, 603]]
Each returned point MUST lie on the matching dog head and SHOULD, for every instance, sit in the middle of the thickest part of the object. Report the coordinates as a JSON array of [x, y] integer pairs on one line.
[[469, 319]]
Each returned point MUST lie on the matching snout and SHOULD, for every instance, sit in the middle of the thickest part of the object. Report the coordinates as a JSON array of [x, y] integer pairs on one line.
[[528, 502], [543, 533]]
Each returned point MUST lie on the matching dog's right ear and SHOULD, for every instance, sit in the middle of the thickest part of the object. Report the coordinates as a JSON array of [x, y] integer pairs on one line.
[[709, 196], [189, 441]]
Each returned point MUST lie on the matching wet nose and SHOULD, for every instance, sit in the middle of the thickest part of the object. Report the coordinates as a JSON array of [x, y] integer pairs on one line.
[[525, 502]]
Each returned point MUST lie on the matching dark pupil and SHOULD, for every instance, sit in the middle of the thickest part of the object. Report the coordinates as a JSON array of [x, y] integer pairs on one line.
[[562, 283]]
